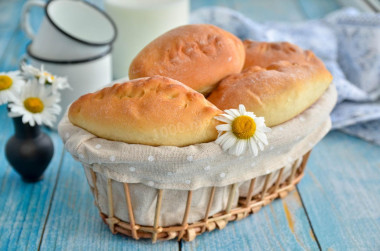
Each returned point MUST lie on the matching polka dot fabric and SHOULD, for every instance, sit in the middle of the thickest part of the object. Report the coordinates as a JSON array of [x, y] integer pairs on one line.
[[200, 165]]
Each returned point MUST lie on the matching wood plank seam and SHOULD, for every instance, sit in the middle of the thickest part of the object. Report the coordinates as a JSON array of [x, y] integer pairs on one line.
[[51, 198], [308, 219], [372, 5]]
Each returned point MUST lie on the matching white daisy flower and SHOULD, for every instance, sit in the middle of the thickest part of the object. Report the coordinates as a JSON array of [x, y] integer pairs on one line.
[[44, 77], [29, 71], [241, 130], [36, 105], [10, 85]]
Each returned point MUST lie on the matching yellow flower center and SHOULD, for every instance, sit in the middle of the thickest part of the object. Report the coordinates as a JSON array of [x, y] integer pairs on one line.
[[46, 74], [243, 127], [34, 105], [49, 78], [5, 82]]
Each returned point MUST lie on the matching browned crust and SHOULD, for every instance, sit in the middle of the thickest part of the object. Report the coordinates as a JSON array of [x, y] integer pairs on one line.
[[264, 54], [198, 55], [152, 111], [274, 89]]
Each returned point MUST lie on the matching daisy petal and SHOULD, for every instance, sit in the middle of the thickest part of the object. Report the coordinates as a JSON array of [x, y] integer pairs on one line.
[[228, 116], [261, 145], [235, 112], [223, 119], [241, 147], [32, 89], [260, 121], [31, 122], [220, 140], [262, 137], [253, 147], [242, 109], [13, 114], [224, 127], [251, 114], [41, 80], [24, 119], [38, 119], [229, 143], [232, 113]]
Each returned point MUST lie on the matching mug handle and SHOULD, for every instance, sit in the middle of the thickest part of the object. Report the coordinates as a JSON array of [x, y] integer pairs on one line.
[[25, 24]]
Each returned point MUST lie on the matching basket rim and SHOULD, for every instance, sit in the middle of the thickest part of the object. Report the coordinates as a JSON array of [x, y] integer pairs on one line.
[[331, 92], [225, 169]]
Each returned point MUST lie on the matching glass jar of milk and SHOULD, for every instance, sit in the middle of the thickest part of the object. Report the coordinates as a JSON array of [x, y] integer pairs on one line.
[[138, 23]]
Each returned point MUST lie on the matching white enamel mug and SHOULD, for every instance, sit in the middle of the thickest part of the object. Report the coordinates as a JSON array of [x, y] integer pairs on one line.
[[70, 30], [84, 76], [138, 23]]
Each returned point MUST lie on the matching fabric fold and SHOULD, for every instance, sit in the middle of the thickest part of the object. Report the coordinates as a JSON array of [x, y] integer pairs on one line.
[[200, 165]]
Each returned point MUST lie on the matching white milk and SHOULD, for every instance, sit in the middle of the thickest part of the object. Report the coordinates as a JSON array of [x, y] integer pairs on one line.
[[138, 23]]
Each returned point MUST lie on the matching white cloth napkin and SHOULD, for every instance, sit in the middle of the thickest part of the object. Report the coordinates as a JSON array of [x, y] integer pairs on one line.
[[199, 165], [195, 167]]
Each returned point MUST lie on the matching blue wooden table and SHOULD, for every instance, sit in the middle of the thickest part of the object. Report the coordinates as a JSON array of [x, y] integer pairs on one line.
[[335, 207]]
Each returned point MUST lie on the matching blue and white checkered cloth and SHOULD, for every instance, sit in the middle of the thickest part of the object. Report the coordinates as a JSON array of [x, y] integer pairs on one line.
[[348, 42]]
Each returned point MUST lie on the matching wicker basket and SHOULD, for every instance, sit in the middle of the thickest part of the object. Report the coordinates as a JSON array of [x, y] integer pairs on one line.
[[180, 197], [188, 231]]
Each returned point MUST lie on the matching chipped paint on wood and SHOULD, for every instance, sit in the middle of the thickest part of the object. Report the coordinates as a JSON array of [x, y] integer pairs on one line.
[[312, 234], [288, 217]]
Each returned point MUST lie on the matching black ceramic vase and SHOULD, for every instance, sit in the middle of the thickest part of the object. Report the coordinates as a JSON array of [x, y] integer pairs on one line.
[[29, 151]]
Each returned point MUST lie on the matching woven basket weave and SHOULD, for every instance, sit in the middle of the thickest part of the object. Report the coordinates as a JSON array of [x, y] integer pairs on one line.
[[137, 197], [188, 231]]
